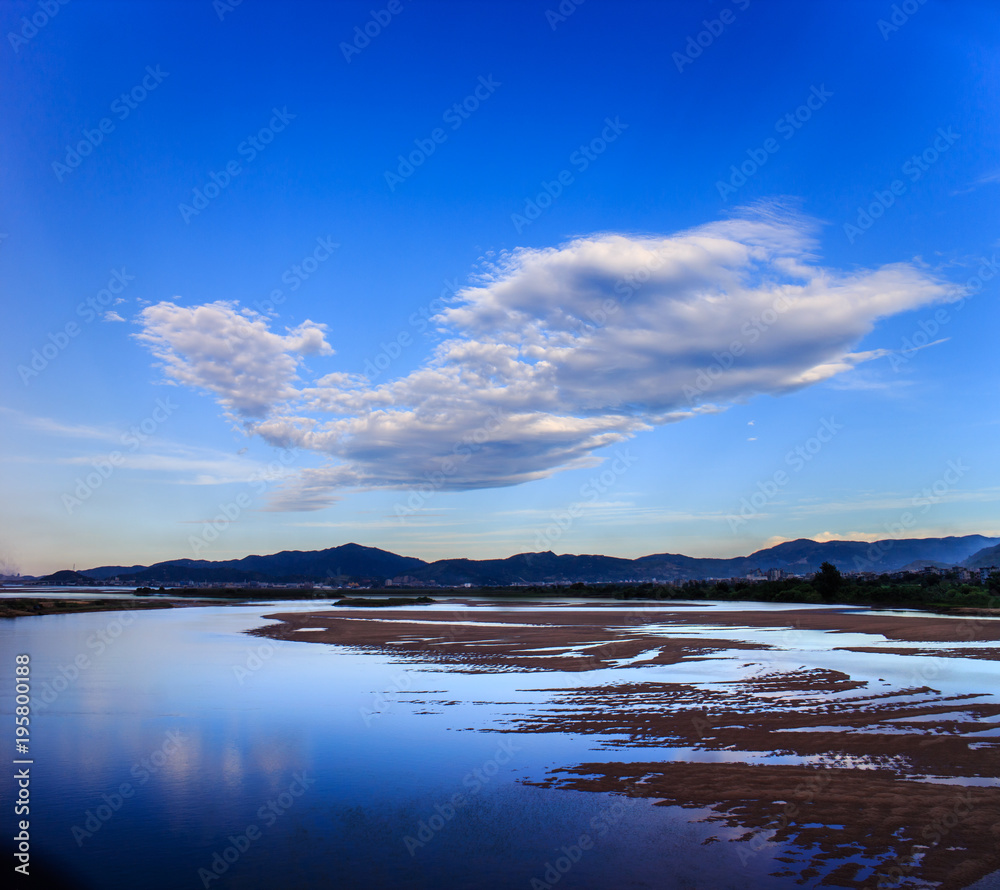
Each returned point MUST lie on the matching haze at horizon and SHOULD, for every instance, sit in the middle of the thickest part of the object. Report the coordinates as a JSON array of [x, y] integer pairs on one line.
[[630, 279]]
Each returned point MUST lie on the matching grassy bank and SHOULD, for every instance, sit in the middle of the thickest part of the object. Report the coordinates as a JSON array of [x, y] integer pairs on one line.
[[23, 607]]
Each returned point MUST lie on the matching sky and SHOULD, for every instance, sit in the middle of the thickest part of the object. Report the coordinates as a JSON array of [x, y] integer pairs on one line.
[[469, 279]]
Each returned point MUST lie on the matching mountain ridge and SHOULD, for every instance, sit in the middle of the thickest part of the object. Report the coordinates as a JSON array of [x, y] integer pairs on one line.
[[353, 561]]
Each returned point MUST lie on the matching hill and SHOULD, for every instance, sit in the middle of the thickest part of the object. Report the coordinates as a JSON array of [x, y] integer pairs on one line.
[[988, 556], [353, 562], [334, 564], [65, 576]]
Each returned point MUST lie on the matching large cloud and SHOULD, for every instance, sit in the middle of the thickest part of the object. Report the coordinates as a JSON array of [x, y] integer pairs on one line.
[[551, 355], [232, 354]]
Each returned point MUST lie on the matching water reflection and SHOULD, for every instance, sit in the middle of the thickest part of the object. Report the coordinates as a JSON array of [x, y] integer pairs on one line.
[[185, 733]]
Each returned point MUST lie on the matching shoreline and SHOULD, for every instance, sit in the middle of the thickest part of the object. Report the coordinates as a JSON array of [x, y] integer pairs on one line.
[[30, 607], [827, 766]]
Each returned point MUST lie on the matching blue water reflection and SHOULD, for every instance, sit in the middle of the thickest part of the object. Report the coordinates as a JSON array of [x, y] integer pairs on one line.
[[166, 741]]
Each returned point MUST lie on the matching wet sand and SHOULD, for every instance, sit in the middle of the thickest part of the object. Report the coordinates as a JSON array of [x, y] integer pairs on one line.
[[603, 633], [847, 781], [916, 833], [474, 640]]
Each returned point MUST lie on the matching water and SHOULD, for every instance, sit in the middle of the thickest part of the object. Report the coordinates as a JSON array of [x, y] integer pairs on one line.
[[166, 741]]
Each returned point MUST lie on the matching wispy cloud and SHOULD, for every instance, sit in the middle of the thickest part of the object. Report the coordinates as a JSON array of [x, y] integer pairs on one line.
[[551, 355], [890, 501], [989, 179], [57, 428], [188, 465]]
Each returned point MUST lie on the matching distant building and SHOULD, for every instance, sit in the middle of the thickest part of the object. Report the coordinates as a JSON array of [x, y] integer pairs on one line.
[[404, 581]]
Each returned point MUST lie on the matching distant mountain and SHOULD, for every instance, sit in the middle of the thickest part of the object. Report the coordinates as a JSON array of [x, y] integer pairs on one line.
[[65, 576], [531, 568], [888, 555], [290, 566], [988, 556], [920, 564], [352, 562], [103, 572]]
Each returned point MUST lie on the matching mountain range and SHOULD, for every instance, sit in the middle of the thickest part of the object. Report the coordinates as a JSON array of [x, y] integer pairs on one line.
[[353, 562]]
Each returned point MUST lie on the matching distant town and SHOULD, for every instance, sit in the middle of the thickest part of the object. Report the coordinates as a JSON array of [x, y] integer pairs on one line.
[[968, 560]]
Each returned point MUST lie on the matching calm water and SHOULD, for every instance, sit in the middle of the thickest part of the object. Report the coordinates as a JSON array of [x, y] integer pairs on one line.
[[306, 765]]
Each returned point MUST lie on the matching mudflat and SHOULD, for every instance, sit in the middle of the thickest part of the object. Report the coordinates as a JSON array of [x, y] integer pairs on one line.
[[842, 777]]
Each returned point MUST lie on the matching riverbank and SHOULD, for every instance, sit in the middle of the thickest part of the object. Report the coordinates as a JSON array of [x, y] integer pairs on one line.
[[759, 719], [24, 607], [597, 634]]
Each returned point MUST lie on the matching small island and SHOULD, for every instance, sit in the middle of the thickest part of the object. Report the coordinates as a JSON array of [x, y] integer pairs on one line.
[[390, 601]]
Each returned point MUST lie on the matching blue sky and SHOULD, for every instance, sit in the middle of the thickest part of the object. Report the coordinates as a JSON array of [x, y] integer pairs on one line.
[[620, 277]]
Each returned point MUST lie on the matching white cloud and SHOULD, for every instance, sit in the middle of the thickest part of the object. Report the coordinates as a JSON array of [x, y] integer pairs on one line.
[[824, 537], [551, 355], [992, 178], [111, 315], [188, 466], [52, 427], [233, 354]]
